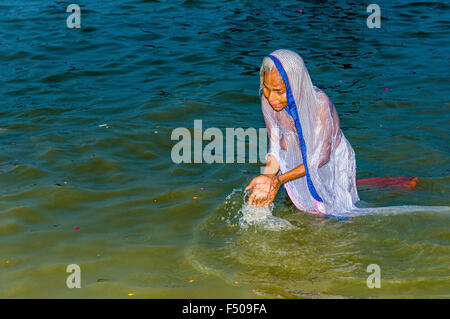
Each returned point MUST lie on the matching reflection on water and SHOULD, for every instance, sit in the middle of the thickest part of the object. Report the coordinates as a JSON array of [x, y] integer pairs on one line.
[[110, 199]]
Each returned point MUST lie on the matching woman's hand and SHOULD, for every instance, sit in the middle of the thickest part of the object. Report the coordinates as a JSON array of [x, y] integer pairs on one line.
[[265, 188]]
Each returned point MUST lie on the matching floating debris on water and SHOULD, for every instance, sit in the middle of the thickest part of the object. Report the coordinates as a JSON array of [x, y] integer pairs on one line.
[[102, 280]]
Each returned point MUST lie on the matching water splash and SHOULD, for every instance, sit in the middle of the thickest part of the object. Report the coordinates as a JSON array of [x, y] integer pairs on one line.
[[250, 215]]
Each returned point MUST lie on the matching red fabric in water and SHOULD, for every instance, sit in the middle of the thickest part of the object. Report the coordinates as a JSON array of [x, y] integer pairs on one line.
[[404, 182]]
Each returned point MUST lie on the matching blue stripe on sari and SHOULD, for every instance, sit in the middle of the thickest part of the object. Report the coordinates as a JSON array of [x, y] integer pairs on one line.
[[292, 109]]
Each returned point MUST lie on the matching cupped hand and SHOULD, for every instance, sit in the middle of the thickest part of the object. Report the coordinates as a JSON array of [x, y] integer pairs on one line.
[[265, 188]]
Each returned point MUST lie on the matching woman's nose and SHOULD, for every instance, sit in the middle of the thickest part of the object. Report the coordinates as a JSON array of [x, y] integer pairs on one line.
[[272, 97]]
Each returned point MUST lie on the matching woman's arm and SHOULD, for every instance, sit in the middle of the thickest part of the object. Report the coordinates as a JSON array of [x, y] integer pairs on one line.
[[275, 183], [326, 129], [329, 129], [295, 173], [266, 186], [272, 166]]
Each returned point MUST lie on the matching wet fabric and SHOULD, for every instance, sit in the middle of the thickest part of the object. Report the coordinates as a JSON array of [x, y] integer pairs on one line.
[[308, 132]]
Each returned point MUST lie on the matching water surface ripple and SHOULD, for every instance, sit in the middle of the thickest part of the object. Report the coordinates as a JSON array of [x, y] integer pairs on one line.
[[146, 67]]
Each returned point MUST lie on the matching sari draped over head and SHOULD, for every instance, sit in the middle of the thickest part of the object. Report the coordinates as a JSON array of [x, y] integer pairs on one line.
[[307, 132]]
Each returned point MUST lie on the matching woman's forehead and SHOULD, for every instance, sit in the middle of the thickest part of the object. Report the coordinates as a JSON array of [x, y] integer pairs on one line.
[[272, 78]]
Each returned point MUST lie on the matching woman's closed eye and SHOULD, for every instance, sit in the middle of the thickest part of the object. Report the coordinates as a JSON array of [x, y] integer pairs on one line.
[[278, 91], [275, 91]]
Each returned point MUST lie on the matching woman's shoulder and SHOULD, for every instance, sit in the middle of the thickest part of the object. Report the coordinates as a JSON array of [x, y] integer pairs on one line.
[[318, 90], [321, 94]]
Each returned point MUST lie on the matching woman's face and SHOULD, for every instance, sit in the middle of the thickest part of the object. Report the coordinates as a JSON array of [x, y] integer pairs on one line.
[[275, 90]]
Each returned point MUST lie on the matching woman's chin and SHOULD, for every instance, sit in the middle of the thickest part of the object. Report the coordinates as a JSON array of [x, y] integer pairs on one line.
[[278, 108]]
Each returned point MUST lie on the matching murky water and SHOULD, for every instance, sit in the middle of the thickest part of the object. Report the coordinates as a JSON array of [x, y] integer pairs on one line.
[[110, 199]]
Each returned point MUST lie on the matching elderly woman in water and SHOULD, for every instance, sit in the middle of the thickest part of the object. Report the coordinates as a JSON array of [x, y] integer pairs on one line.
[[308, 152]]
